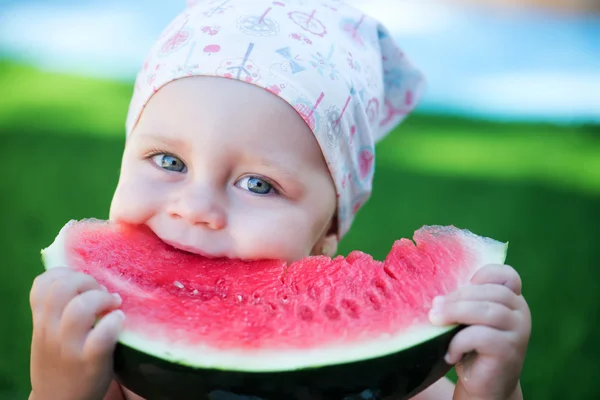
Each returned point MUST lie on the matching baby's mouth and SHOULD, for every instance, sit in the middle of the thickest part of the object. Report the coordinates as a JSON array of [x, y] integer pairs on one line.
[[191, 249]]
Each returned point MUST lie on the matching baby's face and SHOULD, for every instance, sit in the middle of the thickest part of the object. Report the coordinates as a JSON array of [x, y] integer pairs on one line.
[[225, 169]]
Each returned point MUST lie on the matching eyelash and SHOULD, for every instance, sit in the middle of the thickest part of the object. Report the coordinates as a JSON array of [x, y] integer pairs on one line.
[[156, 151], [276, 190]]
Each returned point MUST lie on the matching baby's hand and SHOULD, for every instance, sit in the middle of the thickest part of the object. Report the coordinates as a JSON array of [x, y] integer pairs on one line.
[[495, 343], [71, 358]]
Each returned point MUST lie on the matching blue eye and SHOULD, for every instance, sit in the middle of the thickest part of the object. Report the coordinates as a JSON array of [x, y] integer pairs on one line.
[[256, 185], [169, 162]]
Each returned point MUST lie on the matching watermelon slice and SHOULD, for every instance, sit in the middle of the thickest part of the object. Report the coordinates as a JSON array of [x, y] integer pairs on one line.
[[328, 328]]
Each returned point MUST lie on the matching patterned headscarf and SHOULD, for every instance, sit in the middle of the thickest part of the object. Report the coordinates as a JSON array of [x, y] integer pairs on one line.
[[339, 68]]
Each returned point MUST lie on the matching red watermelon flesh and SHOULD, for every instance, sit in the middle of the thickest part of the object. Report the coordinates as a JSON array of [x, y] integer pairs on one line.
[[228, 312]]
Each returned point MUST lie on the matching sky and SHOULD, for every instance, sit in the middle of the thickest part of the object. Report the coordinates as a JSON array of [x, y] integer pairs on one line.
[[527, 66]]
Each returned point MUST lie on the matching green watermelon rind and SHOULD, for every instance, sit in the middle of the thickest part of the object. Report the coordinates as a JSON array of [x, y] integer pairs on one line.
[[277, 360]]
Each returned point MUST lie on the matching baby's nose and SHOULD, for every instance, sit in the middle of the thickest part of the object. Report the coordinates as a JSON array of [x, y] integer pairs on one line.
[[199, 209]]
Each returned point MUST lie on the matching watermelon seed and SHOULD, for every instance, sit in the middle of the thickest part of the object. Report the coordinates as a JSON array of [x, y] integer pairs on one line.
[[195, 292], [351, 308], [178, 284], [389, 273], [240, 298], [306, 313], [374, 300], [331, 312], [255, 298], [381, 286]]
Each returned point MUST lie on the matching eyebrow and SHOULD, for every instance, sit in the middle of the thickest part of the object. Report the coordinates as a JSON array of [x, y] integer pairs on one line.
[[161, 139], [288, 173]]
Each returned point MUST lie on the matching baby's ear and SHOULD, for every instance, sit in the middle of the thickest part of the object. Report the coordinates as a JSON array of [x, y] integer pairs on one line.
[[330, 245], [326, 246]]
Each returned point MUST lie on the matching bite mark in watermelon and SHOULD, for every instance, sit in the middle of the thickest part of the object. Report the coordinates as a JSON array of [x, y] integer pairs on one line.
[[266, 317]]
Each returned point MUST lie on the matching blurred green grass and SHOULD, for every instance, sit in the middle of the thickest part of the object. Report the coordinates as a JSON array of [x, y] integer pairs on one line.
[[536, 186]]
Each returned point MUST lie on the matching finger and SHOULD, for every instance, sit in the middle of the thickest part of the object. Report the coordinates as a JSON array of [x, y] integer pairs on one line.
[[50, 293], [468, 312], [63, 290], [80, 314], [42, 283], [484, 292], [38, 298], [499, 274], [101, 341], [481, 339]]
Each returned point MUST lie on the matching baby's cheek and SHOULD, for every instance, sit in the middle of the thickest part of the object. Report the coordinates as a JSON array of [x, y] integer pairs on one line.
[[136, 201], [272, 235]]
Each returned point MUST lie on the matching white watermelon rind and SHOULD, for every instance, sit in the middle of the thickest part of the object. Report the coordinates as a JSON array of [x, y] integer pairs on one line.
[[277, 360]]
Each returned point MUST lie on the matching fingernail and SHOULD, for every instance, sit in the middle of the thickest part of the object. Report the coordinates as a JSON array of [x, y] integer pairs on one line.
[[437, 302], [104, 288], [117, 297], [120, 314], [435, 316], [448, 359]]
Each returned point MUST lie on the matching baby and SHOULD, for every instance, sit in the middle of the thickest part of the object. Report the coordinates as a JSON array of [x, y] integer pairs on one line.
[[251, 135]]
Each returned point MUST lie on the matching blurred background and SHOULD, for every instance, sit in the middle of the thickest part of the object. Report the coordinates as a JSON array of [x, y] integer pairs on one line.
[[506, 143]]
